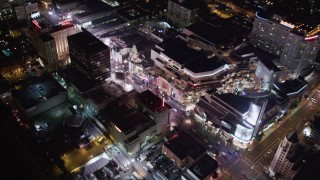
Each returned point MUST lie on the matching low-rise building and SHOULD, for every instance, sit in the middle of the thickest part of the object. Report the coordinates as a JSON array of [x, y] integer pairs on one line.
[[182, 149], [38, 95], [206, 168], [156, 108], [130, 129]]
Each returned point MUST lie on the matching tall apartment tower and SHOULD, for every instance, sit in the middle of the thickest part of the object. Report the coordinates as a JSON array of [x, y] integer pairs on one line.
[[278, 37], [89, 56], [182, 12], [283, 162], [299, 52]]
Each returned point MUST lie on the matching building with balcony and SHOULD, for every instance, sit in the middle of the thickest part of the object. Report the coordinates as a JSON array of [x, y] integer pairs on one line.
[[285, 164], [292, 45]]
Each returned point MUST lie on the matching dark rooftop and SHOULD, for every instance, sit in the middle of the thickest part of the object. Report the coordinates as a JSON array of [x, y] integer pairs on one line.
[[182, 145], [205, 166], [240, 103], [189, 4], [60, 27], [152, 101], [82, 82], [37, 90], [249, 51], [46, 37], [195, 61], [215, 34], [293, 137], [270, 65], [87, 42], [132, 13], [290, 87], [129, 122]]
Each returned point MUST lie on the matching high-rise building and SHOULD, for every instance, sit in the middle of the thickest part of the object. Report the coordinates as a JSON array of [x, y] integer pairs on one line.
[[60, 34], [295, 49], [288, 154], [89, 56], [47, 50], [182, 12]]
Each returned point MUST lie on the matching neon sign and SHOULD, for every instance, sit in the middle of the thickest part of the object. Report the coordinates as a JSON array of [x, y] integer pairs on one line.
[[289, 25], [65, 22], [311, 38], [35, 22]]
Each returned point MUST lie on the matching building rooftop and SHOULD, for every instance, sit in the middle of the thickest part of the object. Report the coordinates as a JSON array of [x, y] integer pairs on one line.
[[293, 137], [46, 37], [183, 145], [269, 64], [189, 4], [215, 34], [152, 101], [36, 90], [130, 122], [240, 103], [132, 13], [290, 87], [205, 166], [87, 42], [194, 60], [248, 51], [60, 27], [82, 82]]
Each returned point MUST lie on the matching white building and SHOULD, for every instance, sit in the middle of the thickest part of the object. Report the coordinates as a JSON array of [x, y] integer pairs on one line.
[[187, 71], [288, 153], [60, 34], [295, 49]]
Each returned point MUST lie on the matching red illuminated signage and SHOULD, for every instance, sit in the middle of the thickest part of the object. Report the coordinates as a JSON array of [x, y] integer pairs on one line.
[[65, 22], [35, 22]]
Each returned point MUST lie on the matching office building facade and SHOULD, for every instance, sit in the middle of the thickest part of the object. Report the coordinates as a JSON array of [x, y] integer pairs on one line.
[[89, 56]]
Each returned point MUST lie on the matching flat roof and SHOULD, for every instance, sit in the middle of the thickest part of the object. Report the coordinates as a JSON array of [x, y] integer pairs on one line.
[[183, 145], [194, 60], [87, 42], [240, 103], [129, 122], [132, 13], [82, 82], [37, 90], [215, 34], [89, 13], [189, 4], [290, 86], [249, 51], [205, 166], [152, 101]]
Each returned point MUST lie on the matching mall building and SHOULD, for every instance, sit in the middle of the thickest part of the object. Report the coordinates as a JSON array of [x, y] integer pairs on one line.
[[186, 71]]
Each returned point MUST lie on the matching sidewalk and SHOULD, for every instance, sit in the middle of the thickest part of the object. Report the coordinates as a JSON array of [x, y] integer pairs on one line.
[[277, 124]]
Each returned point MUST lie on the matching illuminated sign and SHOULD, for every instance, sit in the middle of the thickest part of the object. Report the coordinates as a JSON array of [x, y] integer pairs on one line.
[[35, 22], [35, 15], [117, 129], [311, 38], [287, 24], [65, 22]]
